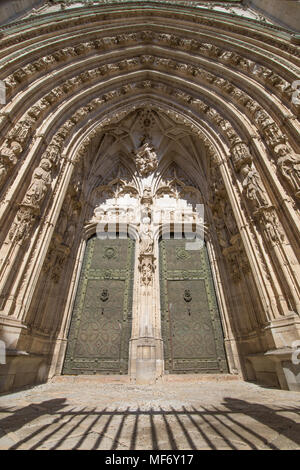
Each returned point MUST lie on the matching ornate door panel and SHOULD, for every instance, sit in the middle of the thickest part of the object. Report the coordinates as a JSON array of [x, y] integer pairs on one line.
[[100, 330], [191, 327]]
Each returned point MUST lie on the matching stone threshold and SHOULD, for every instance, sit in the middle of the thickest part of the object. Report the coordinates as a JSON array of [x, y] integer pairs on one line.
[[122, 379], [200, 377]]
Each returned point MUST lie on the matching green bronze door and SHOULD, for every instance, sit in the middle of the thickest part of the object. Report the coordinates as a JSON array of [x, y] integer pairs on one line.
[[98, 340], [191, 327]]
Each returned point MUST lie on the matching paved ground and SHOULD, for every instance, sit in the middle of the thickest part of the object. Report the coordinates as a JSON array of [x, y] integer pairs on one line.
[[87, 414]]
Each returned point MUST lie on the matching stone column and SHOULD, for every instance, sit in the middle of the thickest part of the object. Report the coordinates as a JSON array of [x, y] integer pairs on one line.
[[146, 349]]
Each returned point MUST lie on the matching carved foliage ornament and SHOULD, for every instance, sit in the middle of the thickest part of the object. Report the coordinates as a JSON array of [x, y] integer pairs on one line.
[[146, 267]]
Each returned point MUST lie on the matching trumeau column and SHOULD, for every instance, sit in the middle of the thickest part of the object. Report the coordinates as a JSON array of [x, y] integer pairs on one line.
[[146, 349]]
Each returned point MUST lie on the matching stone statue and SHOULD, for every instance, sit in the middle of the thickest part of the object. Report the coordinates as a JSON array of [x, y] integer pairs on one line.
[[8, 158], [271, 226], [146, 159], [289, 166], [41, 179], [253, 187], [21, 226], [146, 237]]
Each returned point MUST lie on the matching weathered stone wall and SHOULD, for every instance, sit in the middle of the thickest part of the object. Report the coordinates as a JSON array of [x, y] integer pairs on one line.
[[11, 10], [283, 12]]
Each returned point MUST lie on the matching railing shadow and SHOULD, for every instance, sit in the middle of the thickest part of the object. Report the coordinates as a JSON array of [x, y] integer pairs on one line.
[[237, 424]]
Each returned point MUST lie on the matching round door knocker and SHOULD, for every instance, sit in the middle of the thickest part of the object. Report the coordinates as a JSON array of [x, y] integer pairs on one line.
[[187, 295], [187, 298], [104, 295]]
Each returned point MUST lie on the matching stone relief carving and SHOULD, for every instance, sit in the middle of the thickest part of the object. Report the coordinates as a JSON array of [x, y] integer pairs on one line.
[[240, 155], [253, 187], [8, 158], [146, 268], [146, 245], [271, 226], [41, 180], [146, 158], [256, 195], [243, 64], [227, 231], [289, 166], [269, 129], [146, 237], [21, 226], [65, 231], [31, 204]]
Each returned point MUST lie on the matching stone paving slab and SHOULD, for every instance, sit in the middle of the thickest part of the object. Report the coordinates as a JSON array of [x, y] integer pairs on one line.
[[192, 414]]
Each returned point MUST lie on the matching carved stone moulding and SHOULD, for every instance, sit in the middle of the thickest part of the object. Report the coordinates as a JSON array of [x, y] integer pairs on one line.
[[146, 268]]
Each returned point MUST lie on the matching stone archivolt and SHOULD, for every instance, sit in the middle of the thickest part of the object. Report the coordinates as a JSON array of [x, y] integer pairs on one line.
[[260, 73], [274, 138], [236, 136]]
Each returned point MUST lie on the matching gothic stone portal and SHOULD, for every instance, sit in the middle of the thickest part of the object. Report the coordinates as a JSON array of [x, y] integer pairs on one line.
[[100, 329], [191, 328]]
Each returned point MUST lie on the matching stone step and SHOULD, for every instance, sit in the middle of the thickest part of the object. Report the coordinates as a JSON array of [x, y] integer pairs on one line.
[[200, 377], [123, 379], [90, 378]]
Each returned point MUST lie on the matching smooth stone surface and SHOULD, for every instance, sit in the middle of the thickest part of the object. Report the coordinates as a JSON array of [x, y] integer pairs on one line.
[[187, 414]]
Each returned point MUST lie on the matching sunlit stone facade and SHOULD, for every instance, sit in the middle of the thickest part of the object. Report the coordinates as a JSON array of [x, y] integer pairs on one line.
[[149, 107]]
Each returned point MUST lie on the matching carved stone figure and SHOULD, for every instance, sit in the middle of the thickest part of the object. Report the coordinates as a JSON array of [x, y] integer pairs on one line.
[[273, 135], [147, 196], [146, 159], [221, 231], [22, 223], [146, 237], [289, 166], [52, 153], [240, 155], [253, 187], [21, 130], [271, 226], [8, 158], [41, 179], [230, 220]]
